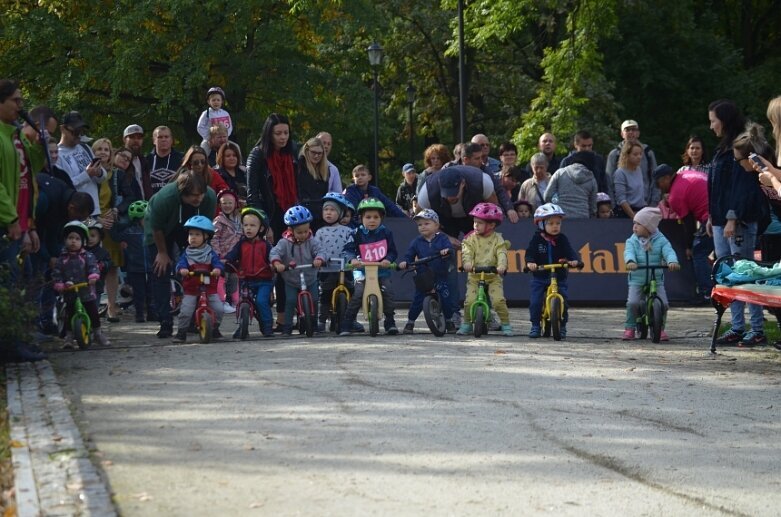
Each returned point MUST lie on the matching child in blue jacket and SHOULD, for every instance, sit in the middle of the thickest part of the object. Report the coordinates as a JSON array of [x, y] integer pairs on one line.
[[430, 242], [137, 265], [362, 189]]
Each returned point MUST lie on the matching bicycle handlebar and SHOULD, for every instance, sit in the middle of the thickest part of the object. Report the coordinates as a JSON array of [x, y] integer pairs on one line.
[[76, 287], [293, 265], [426, 260], [553, 267], [652, 267]]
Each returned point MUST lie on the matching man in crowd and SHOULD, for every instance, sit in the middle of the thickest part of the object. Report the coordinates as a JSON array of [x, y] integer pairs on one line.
[[584, 142], [630, 132], [76, 159], [334, 180], [133, 138], [473, 156], [164, 160], [547, 146], [490, 165]]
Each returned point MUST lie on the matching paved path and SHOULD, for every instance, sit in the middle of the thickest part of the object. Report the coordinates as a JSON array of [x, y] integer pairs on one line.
[[417, 425]]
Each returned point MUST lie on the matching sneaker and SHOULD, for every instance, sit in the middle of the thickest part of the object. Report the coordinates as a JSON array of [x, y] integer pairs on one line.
[[287, 330], [495, 323], [100, 338], [535, 332], [663, 336], [456, 318], [180, 337], [409, 328], [464, 330], [278, 328], [563, 331], [237, 333], [166, 330], [629, 334], [507, 330], [227, 308], [391, 330], [356, 327], [752, 338], [321, 327], [730, 337], [450, 327]]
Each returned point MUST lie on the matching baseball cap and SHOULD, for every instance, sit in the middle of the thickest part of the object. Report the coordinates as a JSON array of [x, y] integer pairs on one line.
[[427, 213], [449, 181], [73, 120], [408, 167], [629, 123], [132, 129], [663, 170]]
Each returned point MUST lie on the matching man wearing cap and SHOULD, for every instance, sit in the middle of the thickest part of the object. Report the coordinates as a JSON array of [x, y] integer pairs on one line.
[[473, 157], [687, 194], [630, 132], [76, 158], [133, 137], [164, 160], [407, 188]]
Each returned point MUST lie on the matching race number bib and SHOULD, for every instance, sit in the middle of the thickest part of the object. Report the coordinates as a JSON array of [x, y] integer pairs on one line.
[[373, 251]]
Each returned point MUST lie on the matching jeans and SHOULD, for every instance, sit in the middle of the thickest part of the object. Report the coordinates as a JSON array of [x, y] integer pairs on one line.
[[262, 290], [701, 248], [445, 299], [539, 286], [161, 289], [291, 301], [725, 247]]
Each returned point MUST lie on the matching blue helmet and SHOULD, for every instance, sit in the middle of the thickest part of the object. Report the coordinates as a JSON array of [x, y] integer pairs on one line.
[[339, 199], [200, 222], [297, 215]]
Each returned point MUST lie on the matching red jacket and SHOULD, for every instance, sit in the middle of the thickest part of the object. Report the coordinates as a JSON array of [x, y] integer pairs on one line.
[[252, 257]]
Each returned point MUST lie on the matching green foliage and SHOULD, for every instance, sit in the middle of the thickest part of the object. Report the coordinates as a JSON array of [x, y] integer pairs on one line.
[[17, 310]]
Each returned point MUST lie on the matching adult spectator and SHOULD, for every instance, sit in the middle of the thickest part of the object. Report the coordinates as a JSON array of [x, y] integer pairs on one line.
[[133, 138], [508, 156], [195, 160], [473, 157], [547, 146], [218, 136], [186, 196], [628, 180], [686, 193], [694, 156], [164, 160], [231, 170], [487, 163], [511, 180], [334, 178], [107, 196], [630, 133], [458, 154], [435, 157], [533, 189], [312, 179], [770, 179], [76, 158], [574, 188], [584, 142], [128, 189], [408, 188]]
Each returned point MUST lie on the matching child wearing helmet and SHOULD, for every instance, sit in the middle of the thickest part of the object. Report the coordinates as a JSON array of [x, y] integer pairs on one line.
[[227, 232], [333, 236], [604, 206], [199, 230], [548, 246], [363, 189], [137, 263], [370, 242], [214, 115], [430, 242], [485, 247], [76, 265], [102, 256], [251, 256], [297, 245]]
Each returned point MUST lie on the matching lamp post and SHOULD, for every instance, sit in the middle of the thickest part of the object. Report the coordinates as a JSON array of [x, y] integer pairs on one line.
[[375, 60], [411, 101]]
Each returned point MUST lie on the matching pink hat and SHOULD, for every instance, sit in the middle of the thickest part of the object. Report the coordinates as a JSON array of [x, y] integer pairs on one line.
[[649, 218]]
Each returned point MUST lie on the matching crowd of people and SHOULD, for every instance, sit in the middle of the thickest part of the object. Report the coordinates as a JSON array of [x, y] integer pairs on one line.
[[86, 211]]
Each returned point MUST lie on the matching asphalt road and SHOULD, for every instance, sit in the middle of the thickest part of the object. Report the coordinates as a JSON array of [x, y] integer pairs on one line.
[[418, 425]]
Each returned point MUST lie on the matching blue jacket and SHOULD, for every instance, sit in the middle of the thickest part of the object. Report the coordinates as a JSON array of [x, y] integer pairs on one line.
[[136, 258], [734, 193], [355, 196], [355, 247], [661, 251], [421, 248], [541, 252]]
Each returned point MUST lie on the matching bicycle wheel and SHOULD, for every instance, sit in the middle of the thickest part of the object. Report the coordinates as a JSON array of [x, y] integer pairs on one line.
[[478, 325], [244, 315], [374, 318], [177, 293], [80, 331], [657, 318], [340, 307], [307, 318], [205, 328], [433, 314], [59, 316], [555, 318]]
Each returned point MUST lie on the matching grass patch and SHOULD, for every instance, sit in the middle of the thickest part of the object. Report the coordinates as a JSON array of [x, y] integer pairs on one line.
[[7, 502]]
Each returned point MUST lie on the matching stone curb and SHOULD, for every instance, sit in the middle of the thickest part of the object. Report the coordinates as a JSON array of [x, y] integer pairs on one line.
[[53, 472]]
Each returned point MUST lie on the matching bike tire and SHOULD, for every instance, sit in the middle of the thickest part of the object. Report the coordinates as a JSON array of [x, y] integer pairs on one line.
[[478, 324], [340, 307], [555, 318], [59, 316], [244, 316], [205, 328], [374, 318], [307, 318], [80, 331], [432, 311], [657, 319]]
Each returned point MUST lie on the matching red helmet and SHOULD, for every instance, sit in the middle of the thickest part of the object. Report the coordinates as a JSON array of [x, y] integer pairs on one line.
[[487, 212]]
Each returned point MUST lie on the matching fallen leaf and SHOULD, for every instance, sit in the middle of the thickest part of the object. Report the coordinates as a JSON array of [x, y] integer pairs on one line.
[[500, 352], [256, 505], [142, 496], [16, 444]]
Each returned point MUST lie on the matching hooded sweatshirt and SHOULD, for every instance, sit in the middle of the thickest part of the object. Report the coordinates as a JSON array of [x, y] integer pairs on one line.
[[576, 190]]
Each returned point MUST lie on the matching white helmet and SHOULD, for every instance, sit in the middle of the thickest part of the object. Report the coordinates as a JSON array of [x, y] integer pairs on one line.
[[545, 211]]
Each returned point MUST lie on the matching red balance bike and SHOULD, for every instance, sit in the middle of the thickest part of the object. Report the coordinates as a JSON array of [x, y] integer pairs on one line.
[[205, 319]]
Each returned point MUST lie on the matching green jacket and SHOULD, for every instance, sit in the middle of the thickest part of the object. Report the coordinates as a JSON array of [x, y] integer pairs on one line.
[[164, 211], [9, 173]]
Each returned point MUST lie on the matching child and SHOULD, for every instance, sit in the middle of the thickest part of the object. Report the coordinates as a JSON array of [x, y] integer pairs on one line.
[[199, 230], [227, 232], [137, 265], [548, 246], [214, 115], [297, 245], [485, 247], [647, 246], [333, 236], [102, 256], [430, 242], [371, 242], [524, 209], [604, 206], [74, 266], [362, 189], [407, 188], [250, 255]]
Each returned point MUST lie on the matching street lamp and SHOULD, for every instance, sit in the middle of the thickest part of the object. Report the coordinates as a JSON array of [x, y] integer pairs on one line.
[[375, 60], [411, 101]]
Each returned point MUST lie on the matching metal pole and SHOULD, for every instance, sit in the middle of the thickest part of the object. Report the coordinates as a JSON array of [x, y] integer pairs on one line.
[[411, 137], [461, 74], [376, 170]]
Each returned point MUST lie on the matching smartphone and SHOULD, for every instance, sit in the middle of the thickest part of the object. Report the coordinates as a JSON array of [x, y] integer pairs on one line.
[[755, 158], [95, 161]]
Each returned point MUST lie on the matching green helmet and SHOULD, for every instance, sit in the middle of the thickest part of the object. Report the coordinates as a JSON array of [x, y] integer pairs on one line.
[[78, 227], [260, 214], [371, 203], [137, 209]]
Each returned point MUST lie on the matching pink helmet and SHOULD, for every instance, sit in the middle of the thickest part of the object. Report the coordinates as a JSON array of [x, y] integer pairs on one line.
[[487, 212]]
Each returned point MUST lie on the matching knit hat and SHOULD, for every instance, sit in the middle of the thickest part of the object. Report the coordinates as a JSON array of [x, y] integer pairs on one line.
[[336, 206], [649, 218]]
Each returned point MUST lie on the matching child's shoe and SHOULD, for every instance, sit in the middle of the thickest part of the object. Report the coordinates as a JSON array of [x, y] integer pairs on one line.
[[464, 330], [237, 333], [563, 331], [409, 328], [346, 328], [180, 337], [752, 338], [356, 327], [287, 330], [450, 327], [629, 334], [495, 323], [663, 336], [507, 330], [228, 308], [390, 327], [536, 331], [100, 338], [320, 327]]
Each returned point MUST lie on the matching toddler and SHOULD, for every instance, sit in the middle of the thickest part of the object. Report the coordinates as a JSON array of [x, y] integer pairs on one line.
[[297, 245], [250, 255], [646, 247], [524, 209], [430, 242], [362, 189], [102, 257], [604, 206], [227, 232], [199, 230], [371, 242], [485, 247], [213, 115], [548, 246], [76, 265], [137, 264]]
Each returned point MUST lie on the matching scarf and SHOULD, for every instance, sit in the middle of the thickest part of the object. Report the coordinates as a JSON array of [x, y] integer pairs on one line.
[[200, 255], [645, 242], [280, 168], [549, 238]]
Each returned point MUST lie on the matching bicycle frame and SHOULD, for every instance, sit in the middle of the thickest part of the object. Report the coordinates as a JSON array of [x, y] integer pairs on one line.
[[203, 271], [650, 292], [341, 286], [304, 296], [372, 285], [482, 294], [552, 292], [79, 312]]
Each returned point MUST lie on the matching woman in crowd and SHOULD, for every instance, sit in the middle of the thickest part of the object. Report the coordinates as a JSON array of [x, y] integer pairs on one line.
[[312, 179], [435, 157], [628, 181], [533, 189], [694, 156], [231, 170], [196, 160]]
